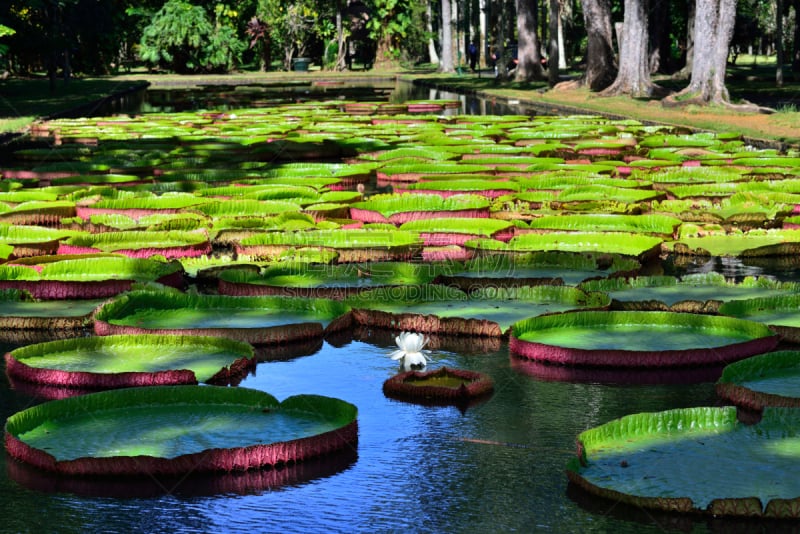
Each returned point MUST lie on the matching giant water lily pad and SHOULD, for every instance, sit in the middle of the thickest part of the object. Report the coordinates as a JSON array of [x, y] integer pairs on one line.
[[124, 361], [771, 379], [32, 240], [24, 319], [85, 276], [177, 430], [663, 225], [744, 244], [703, 292], [323, 280], [638, 339], [351, 245], [401, 208], [446, 310], [694, 460], [502, 270], [140, 244], [442, 386], [781, 313], [626, 244], [253, 319]]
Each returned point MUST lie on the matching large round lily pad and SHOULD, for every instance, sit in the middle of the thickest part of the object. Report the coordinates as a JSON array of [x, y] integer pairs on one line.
[[639, 246], [442, 386], [90, 276], [178, 429], [779, 312], [535, 268], [694, 460], [771, 379], [261, 320], [639, 339], [699, 293], [24, 319], [122, 361], [323, 280], [446, 310]]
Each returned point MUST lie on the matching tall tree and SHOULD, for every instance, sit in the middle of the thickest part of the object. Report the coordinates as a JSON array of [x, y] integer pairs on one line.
[[530, 59], [688, 47], [779, 43], [446, 63], [796, 48], [553, 50], [182, 37], [389, 24], [601, 63], [633, 77], [433, 55], [713, 30], [500, 56]]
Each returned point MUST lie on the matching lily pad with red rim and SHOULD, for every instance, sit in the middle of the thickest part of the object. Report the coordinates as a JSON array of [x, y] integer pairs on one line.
[[257, 320], [178, 430], [698, 293], [781, 313], [638, 339], [694, 460], [770, 379], [102, 362], [488, 311], [442, 386]]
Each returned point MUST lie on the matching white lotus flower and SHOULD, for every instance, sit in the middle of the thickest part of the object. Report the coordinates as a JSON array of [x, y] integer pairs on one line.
[[410, 353]]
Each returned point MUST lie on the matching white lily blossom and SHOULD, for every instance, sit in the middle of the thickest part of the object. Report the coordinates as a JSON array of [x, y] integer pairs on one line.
[[411, 353]]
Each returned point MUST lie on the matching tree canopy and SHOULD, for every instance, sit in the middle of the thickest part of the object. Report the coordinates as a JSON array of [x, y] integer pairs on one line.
[[100, 36]]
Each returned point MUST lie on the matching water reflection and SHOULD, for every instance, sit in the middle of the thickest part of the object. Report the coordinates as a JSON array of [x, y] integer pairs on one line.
[[254, 481]]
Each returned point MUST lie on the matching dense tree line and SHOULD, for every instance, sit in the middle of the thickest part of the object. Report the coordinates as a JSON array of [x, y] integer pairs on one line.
[[617, 44]]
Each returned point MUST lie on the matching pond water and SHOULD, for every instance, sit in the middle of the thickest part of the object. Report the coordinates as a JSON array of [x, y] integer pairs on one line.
[[496, 466]]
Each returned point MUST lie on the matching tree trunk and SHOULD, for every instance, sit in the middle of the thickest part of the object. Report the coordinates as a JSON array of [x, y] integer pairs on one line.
[[688, 48], [340, 56], [446, 64], [796, 40], [553, 52], [779, 43], [483, 45], [530, 60], [434, 57], [633, 77], [601, 65], [660, 29], [500, 59], [713, 30], [562, 51]]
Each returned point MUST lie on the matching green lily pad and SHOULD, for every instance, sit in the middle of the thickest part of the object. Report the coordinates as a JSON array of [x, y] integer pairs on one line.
[[742, 244], [177, 430], [534, 268], [626, 244], [120, 361], [694, 460], [765, 380], [781, 313], [488, 311], [328, 280], [697, 292], [638, 339], [254, 319], [647, 224]]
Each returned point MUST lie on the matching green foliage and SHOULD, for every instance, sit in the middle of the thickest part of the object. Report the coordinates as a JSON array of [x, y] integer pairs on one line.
[[389, 26], [183, 38]]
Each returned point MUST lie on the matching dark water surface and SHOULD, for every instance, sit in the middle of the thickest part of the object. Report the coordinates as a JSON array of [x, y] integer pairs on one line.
[[494, 466], [497, 466]]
